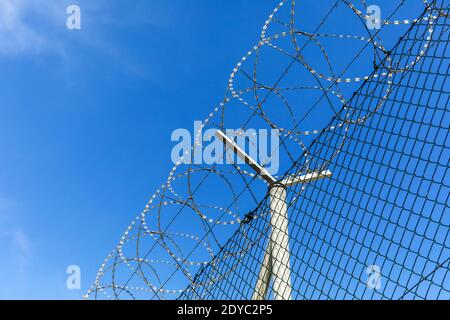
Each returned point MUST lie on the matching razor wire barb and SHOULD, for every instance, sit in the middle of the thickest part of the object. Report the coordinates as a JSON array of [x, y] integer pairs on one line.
[[386, 204]]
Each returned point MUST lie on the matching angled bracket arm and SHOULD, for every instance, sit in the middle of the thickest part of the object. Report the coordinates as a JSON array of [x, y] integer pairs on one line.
[[244, 156]]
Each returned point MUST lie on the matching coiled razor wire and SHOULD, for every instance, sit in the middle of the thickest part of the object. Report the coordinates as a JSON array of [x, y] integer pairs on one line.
[[203, 234]]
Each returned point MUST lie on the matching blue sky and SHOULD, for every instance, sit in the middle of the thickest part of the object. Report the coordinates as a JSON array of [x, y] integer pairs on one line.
[[86, 119]]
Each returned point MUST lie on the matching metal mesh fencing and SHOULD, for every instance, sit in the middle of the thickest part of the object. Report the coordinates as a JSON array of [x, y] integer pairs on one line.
[[378, 227]]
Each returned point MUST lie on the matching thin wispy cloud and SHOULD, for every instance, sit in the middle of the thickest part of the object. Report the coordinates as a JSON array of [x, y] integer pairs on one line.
[[18, 242], [38, 27], [16, 35], [13, 238]]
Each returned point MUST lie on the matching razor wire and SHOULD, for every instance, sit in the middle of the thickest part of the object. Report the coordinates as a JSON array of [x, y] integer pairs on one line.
[[178, 240]]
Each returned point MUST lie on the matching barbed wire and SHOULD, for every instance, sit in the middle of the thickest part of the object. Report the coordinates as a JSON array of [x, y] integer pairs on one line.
[[184, 226]]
